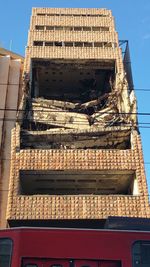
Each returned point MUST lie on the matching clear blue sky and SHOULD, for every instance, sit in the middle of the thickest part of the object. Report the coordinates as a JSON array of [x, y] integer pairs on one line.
[[132, 21]]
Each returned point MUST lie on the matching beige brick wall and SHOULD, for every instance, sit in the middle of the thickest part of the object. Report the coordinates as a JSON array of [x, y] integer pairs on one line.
[[21, 207], [73, 53], [94, 11], [83, 36], [72, 21]]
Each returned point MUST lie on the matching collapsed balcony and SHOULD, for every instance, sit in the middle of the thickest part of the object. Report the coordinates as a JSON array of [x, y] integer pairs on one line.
[[77, 139], [73, 104]]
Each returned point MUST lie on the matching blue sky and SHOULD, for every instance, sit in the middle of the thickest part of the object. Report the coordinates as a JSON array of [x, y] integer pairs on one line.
[[132, 22]]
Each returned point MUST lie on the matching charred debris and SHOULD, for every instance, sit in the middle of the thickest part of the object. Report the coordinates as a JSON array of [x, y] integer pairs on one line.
[[76, 105]]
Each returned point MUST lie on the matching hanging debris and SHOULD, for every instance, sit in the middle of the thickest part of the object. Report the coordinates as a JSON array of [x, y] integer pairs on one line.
[[69, 100]]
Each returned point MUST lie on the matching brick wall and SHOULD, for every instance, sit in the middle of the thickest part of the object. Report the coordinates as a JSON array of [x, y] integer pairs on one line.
[[22, 207]]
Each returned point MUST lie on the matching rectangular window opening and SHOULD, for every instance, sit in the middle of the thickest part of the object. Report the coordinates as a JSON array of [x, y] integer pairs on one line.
[[5, 252], [40, 28], [48, 43], [41, 14], [86, 28], [86, 44], [77, 28], [107, 44], [98, 44], [59, 28], [38, 43], [58, 43], [96, 28], [69, 28], [78, 44], [105, 29], [72, 15], [141, 253], [68, 44], [50, 28]]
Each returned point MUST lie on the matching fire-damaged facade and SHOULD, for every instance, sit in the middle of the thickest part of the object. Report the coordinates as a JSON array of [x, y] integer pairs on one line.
[[76, 149]]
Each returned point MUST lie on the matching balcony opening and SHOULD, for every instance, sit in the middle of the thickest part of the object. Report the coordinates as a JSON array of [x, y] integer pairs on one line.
[[76, 89], [76, 182], [43, 136]]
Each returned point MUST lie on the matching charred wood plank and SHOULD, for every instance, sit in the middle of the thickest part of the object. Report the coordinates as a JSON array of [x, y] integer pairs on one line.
[[60, 119], [53, 104]]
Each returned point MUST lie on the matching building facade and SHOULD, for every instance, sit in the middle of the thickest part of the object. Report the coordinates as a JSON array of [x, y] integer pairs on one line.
[[11, 68], [76, 150]]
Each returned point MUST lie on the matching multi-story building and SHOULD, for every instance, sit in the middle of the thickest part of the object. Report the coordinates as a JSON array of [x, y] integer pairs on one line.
[[76, 149], [11, 68]]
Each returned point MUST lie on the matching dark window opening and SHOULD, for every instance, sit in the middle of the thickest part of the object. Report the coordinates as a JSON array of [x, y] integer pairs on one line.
[[38, 43], [48, 43], [107, 44], [141, 254], [77, 28], [96, 28], [68, 15], [86, 28], [5, 252], [68, 44], [104, 28], [67, 28], [53, 15], [86, 44], [98, 44], [50, 28], [58, 44], [73, 15], [41, 14], [70, 28], [59, 28], [38, 27], [78, 44]]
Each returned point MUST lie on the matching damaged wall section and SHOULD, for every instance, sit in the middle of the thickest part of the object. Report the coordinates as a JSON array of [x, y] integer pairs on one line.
[[77, 139], [72, 104]]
